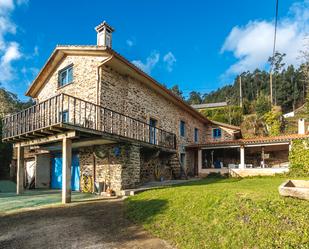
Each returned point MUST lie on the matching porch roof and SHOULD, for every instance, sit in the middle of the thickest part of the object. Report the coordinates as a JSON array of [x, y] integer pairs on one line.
[[258, 141]]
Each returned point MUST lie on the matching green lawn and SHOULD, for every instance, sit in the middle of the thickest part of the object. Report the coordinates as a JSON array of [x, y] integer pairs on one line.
[[224, 213]]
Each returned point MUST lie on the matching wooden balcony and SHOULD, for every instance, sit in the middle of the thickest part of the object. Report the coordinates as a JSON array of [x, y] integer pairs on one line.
[[64, 113]]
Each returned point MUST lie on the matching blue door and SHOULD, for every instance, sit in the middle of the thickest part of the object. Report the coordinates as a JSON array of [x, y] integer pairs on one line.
[[56, 177]]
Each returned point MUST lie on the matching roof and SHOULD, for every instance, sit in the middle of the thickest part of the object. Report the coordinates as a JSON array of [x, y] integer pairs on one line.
[[253, 141], [115, 59], [210, 105], [232, 127], [101, 25]]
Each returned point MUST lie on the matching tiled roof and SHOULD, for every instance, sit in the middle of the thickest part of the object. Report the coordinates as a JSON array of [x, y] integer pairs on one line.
[[248, 141]]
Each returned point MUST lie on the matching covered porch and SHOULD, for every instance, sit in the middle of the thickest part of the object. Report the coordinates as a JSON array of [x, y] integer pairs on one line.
[[245, 157]]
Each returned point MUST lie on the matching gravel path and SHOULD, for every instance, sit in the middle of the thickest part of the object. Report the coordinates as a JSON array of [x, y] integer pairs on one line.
[[93, 224]]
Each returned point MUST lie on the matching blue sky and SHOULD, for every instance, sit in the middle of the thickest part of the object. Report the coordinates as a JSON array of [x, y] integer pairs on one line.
[[199, 45]]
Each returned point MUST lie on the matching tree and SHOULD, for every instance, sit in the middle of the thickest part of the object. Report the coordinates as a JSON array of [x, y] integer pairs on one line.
[[274, 121], [175, 89], [276, 65], [194, 98], [9, 103], [262, 105]]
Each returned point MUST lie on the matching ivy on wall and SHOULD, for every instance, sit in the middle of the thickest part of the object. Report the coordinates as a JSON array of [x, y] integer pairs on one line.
[[299, 158]]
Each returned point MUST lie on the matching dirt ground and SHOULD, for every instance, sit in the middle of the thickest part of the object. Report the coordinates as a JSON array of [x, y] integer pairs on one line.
[[91, 224]]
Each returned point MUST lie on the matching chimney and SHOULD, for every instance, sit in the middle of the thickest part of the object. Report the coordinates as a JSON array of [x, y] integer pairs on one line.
[[104, 34], [301, 126]]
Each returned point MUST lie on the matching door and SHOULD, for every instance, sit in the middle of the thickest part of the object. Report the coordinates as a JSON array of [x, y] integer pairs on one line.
[[152, 130], [56, 181]]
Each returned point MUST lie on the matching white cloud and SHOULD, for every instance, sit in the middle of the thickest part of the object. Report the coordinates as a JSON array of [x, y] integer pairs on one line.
[[9, 50], [150, 63], [170, 60], [252, 44]]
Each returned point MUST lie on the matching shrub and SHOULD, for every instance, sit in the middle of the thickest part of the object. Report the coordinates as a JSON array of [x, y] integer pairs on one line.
[[299, 158]]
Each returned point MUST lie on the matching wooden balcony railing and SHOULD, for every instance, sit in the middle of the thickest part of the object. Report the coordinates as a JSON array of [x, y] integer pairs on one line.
[[66, 109]]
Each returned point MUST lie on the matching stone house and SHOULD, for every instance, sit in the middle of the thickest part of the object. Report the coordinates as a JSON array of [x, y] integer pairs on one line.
[[100, 119]]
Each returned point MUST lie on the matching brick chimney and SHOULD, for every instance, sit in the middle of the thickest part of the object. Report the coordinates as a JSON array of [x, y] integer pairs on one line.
[[104, 34], [301, 126]]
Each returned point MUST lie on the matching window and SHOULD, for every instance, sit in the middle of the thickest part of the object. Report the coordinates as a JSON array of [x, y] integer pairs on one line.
[[152, 130], [64, 116], [65, 76], [182, 128], [195, 135], [216, 133]]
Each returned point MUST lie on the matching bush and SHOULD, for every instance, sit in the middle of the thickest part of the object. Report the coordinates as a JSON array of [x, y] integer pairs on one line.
[[299, 158]]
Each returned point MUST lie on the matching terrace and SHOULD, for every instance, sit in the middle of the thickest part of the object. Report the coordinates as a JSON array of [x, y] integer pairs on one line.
[[64, 113]]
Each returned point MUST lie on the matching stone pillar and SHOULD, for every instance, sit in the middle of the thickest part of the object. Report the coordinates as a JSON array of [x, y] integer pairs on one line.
[[20, 170], [66, 169], [242, 157], [199, 161]]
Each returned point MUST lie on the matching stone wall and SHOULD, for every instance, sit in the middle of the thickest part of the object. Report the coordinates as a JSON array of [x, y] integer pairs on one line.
[[117, 165], [85, 79], [226, 134], [132, 97], [156, 164]]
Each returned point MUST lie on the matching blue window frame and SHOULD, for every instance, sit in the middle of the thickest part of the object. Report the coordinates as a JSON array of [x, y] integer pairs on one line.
[[216, 133], [64, 116], [195, 135], [65, 76], [182, 128]]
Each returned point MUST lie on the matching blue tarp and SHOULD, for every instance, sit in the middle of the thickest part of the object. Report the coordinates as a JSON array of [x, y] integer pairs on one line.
[[56, 179]]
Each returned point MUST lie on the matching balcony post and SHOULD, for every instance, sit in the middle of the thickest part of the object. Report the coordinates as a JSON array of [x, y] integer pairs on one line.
[[20, 170], [66, 169]]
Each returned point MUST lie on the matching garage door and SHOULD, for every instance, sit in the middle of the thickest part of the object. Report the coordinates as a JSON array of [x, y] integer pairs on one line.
[[56, 181]]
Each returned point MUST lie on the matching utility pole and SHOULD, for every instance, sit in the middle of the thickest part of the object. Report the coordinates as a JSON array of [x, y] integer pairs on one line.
[[294, 89], [271, 86], [240, 92]]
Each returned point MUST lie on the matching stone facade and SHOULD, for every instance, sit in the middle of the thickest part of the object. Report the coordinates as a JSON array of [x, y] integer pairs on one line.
[[85, 79], [117, 165], [109, 88], [226, 134], [133, 98]]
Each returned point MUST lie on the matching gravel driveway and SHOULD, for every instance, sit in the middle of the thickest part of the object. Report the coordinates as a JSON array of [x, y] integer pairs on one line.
[[92, 224]]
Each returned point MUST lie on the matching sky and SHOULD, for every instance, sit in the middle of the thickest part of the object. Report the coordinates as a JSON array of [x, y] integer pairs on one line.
[[199, 45]]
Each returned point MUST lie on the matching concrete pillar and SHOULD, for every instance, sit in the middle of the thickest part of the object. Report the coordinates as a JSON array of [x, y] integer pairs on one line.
[[20, 170], [66, 169], [263, 157], [301, 126], [242, 157], [199, 161]]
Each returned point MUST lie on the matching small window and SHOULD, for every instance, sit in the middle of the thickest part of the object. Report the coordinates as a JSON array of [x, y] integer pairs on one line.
[[216, 133], [64, 116], [195, 135], [65, 76], [182, 128]]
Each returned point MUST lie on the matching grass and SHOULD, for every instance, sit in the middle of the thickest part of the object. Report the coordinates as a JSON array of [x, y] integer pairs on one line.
[[224, 213], [10, 202]]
